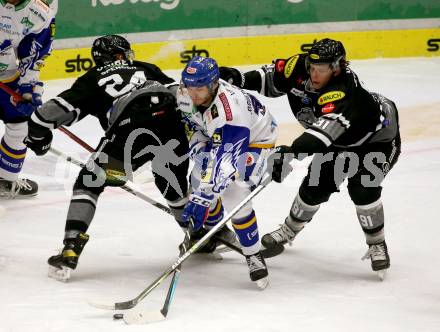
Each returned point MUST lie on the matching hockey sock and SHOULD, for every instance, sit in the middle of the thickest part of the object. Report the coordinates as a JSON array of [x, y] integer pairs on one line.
[[247, 231], [371, 219], [300, 214]]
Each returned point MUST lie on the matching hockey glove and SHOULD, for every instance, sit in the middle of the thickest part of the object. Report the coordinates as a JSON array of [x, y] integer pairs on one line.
[[197, 210], [31, 94], [281, 163], [232, 75], [39, 145]]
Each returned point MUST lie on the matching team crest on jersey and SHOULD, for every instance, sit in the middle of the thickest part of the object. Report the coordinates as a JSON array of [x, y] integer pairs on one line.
[[328, 108], [290, 65], [3, 66], [330, 97]]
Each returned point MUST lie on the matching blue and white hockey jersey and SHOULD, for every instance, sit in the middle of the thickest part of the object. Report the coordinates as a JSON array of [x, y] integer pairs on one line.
[[227, 138], [26, 34]]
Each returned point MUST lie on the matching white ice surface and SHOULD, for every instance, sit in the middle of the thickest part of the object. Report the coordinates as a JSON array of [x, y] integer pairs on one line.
[[318, 284]]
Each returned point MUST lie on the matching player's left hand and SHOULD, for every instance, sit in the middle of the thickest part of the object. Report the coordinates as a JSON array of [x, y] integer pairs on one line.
[[197, 209], [31, 94]]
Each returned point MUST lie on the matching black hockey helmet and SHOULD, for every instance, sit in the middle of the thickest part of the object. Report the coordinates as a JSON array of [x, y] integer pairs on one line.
[[110, 48], [327, 51]]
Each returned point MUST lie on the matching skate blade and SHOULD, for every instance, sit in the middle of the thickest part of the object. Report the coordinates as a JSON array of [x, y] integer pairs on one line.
[[62, 274], [262, 283], [381, 274], [143, 317]]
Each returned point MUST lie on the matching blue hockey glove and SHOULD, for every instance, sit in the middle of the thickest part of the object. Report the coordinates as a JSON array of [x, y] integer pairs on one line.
[[197, 210], [281, 163], [31, 94]]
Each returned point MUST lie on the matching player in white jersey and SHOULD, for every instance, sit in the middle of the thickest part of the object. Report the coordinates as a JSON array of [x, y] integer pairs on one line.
[[27, 28], [231, 136]]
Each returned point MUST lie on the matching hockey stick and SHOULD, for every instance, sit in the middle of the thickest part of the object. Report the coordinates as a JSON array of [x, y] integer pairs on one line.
[[16, 97], [135, 301], [152, 316], [129, 187]]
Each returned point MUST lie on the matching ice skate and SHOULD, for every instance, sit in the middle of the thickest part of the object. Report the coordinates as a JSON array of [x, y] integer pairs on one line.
[[21, 188], [61, 265], [274, 241], [258, 270], [380, 260]]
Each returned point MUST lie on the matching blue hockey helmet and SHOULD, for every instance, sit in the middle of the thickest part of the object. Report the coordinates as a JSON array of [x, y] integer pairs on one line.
[[200, 71]]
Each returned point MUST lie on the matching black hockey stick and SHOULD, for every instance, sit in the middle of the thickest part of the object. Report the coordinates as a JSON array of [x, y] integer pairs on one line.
[[142, 317], [129, 187], [135, 301]]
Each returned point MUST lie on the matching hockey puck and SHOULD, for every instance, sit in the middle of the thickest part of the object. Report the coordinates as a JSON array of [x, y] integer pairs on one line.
[[118, 316]]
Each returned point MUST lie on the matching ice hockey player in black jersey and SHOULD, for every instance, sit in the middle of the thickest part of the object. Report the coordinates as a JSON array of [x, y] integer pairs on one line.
[[352, 133], [137, 112]]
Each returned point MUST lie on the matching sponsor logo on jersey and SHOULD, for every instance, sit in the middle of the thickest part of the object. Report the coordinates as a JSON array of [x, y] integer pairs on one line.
[[25, 21], [217, 138], [328, 108], [37, 14], [3, 66], [52, 29], [226, 106], [306, 100], [290, 65], [7, 44], [330, 96], [279, 65], [250, 159]]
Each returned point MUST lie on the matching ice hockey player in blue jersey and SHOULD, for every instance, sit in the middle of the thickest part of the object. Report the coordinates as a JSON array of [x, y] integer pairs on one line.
[[26, 33], [231, 135]]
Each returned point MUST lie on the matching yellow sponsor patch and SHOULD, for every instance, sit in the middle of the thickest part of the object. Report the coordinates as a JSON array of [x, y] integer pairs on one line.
[[314, 56], [330, 96], [290, 65]]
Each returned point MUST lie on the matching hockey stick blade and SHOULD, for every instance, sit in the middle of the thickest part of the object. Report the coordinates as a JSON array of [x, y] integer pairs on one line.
[[143, 317], [133, 302], [101, 305]]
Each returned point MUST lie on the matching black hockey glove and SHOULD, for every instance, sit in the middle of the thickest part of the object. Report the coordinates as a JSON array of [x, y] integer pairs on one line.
[[281, 163], [39, 145], [232, 75]]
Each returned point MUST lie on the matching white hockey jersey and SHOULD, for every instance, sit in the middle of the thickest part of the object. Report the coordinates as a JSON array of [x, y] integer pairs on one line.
[[229, 134], [26, 35]]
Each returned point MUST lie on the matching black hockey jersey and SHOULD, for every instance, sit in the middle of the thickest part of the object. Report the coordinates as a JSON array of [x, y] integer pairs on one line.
[[343, 114], [95, 92]]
